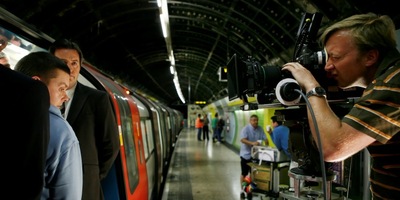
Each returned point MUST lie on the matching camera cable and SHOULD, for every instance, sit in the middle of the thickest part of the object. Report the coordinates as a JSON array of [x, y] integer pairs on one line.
[[321, 154]]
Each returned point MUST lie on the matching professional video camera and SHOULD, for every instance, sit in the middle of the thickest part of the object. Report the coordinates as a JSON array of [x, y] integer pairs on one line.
[[246, 77]]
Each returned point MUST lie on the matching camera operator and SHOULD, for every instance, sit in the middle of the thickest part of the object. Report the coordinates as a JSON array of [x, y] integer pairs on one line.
[[361, 51]]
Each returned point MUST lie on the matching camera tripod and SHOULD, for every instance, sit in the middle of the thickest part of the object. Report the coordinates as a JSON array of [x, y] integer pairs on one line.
[[308, 194]]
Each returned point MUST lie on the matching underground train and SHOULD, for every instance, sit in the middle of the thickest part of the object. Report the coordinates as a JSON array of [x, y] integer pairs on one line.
[[148, 130]]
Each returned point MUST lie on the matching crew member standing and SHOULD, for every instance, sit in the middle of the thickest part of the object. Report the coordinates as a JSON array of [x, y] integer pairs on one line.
[[199, 126], [250, 136], [205, 127]]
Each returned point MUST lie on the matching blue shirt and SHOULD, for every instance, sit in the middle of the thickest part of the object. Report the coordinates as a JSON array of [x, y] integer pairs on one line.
[[251, 134], [280, 137], [63, 173]]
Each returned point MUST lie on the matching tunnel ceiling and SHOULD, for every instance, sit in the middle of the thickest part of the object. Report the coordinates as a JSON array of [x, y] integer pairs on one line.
[[124, 38]]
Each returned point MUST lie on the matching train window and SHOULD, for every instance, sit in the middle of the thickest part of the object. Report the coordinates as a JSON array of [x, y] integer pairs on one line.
[[150, 137], [169, 122], [86, 82], [129, 143], [144, 137], [15, 47], [157, 128]]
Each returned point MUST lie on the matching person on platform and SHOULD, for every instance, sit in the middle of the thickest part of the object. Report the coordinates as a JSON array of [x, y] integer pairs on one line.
[[63, 170], [280, 135], [251, 135], [205, 127], [199, 126], [214, 122], [220, 128], [91, 115]]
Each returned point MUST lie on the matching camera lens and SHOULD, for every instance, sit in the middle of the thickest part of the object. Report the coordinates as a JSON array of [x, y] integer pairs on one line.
[[312, 60]]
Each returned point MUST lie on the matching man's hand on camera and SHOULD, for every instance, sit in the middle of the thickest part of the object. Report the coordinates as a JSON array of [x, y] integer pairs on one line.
[[302, 75]]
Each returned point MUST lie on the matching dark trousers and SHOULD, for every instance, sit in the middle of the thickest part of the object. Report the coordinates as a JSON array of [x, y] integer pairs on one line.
[[205, 132], [244, 166], [219, 132], [214, 132]]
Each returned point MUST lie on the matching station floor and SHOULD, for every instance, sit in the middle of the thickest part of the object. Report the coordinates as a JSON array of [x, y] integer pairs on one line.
[[202, 170]]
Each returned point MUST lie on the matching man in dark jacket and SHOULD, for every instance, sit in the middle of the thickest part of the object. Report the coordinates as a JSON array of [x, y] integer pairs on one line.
[[90, 113]]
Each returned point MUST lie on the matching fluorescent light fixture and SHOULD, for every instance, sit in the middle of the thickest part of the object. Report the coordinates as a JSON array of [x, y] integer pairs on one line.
[[164, 28], [164, 20]]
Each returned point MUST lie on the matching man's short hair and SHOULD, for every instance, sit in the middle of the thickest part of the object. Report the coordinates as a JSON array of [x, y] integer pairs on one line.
[[66, 44], [275, 119], [254, 115]]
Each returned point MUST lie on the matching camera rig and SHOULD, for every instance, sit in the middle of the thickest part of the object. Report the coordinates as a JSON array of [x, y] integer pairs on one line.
[[277, 88], [247, 77]]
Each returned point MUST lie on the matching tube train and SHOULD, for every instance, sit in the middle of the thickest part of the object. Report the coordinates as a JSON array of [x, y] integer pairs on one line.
[[148, 130]]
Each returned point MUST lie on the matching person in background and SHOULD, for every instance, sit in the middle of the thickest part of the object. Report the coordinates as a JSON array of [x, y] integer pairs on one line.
[[205, 127], [199, 126], [63, 171], [4, 60], [5, 37], [220, 129], [25, 120], [16, 41], [90, 113], [251, 135], [361, 52], [280, 135], [214, 122]]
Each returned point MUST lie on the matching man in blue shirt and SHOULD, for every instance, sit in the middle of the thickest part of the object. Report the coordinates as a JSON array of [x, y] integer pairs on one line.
[[249, 137], [280, 135], [63, 178]]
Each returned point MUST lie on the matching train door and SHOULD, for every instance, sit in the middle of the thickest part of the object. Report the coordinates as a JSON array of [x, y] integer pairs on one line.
[[149, 142]]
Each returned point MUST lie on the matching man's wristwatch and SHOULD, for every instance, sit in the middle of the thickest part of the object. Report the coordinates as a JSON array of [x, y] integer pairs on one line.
[[317, 91]]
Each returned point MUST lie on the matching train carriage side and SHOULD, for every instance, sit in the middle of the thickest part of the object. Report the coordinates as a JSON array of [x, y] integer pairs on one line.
[[170, 121], [179, 121], [167, 133], [166, 147], [160, 143], [176, 121], [151, 141], [128, 178]]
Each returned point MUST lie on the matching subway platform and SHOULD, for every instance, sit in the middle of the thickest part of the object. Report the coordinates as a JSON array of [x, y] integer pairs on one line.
[[201, 170], [204, 170]]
